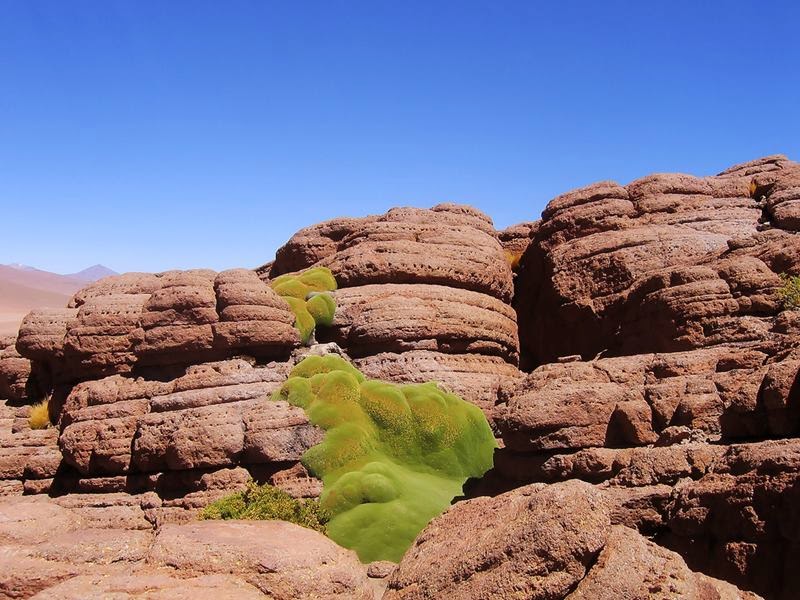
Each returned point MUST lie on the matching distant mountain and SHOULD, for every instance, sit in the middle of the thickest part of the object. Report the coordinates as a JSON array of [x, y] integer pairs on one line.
[[92, 273], [22, 267]]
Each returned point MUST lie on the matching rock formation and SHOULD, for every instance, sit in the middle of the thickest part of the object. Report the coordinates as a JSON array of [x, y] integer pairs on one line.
[[543, 541], [660, 351], [434, 283], [634, 338], [58, 551]]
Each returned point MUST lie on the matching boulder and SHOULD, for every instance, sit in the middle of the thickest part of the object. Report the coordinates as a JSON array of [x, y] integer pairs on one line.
[[543, 541], [280, 559], [93, 546]]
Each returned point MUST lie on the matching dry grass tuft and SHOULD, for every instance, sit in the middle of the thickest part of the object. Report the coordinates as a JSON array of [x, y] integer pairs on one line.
[[40, 415], [512, 258]]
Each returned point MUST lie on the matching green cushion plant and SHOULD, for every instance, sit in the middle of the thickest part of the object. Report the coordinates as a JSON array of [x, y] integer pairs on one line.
[[393, 456], [308, 295]]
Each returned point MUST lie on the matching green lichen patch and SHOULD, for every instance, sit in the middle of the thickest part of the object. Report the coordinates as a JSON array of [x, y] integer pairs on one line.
[[393, 456], [265, 502], [308, 295]]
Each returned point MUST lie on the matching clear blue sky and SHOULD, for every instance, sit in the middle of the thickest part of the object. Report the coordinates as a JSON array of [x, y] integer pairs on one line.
[[150, 135]]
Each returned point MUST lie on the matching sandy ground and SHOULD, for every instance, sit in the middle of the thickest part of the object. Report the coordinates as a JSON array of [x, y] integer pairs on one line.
[[22, 291], [9, 322]]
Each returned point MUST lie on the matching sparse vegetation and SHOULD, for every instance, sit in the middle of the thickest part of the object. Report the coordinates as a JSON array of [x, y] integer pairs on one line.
[[789, 292], [39, 417], [266, 502], [513, 258]]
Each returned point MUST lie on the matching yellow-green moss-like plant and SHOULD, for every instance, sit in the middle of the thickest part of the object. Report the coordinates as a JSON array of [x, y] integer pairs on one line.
[[39, 417], [393, 456], [789, 292], [308, 295], [266, 502]]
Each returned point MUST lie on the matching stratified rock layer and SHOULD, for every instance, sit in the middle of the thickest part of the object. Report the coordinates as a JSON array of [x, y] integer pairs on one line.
[[663, 352], [424, 295], [666, 263], [130, 322], [55, 550], [543, 542]]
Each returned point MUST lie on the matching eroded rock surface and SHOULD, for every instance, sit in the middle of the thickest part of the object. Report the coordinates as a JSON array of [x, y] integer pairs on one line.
[[661, 368], [58, 549], [661, 349], [424, 294], [669, 262], [129, 322], [543, 541]]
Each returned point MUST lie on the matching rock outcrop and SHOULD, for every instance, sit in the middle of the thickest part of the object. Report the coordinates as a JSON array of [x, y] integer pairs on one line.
[[15, 372], [53, 550], [659, 366], [662, 350], [424, 294], [543, 541], [666, 263], [136, 434], [127, 323]]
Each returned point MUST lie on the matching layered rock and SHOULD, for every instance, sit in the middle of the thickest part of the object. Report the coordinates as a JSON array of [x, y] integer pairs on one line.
[[136, 321], [29, 459], [665, 350], [54, 549], [216, 416], [719, 393], [424, 295], [650, 267], [15, 372], [739, 521], [543, 542]]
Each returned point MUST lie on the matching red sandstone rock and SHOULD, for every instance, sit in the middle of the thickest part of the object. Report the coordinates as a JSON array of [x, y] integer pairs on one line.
[[153, 585], [743, 513], [41, 334], [280, 559], [535, 542], [216, 415], [400, 317], [423, 296], [15, 371], [543, 542], [630, 566], [85, 547], [447, 245], [645, 267], [629, 401], [127, 322]]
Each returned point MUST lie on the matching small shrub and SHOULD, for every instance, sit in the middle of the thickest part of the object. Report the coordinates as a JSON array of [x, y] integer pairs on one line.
[[513, 258], [40, 415], [266, 502], [789, 292]]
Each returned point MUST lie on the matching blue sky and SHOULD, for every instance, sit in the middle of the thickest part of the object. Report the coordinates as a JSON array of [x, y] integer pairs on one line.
[[150, 135]]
